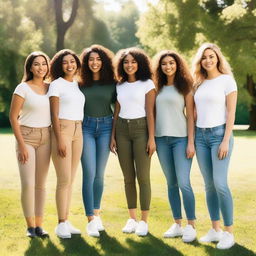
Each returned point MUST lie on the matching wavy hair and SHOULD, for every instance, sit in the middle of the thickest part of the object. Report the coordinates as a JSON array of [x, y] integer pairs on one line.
[[28, 75], [56, 70], [106, 71], [199, 73], [144, 67], [183, 80]]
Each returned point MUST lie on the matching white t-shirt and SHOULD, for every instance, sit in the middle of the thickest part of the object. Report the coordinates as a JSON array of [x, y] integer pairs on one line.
[[35, 111], [71, 99], [210, 100], [131, 97]]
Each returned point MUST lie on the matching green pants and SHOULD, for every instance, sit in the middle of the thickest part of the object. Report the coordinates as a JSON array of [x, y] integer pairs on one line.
[[131, 139]]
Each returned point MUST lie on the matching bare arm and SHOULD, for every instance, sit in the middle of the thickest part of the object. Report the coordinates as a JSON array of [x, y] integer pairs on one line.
[[113, 146], [231, 111], [16, 106], [54, 104], [150, 106], [189, 102]]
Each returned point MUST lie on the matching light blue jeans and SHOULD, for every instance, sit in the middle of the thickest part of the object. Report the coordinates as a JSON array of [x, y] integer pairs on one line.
[[215, 172], [96, 140], [176, 166]]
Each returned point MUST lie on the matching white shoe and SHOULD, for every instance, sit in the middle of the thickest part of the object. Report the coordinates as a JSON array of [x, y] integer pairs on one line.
[[72, 229], [99, 223], [62, 230], [189, 234], [130, 226], [211, 236], [174, 230], [226, 241], [92, 228], [142, 228]]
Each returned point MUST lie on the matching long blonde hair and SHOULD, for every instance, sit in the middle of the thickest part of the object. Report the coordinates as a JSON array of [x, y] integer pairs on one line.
[[199, 73]]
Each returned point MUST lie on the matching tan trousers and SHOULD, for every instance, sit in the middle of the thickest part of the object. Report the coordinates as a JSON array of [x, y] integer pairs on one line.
[[34, 172], [71, 132]]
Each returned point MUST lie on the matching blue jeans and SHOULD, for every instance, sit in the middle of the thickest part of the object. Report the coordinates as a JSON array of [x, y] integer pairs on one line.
[[171, 152], [96, 140], [215, 172]]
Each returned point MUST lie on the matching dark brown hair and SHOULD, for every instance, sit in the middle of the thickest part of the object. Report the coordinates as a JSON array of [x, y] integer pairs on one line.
[[28, 75], [106, 71], [183, 80], [144, 69], [56, 70]]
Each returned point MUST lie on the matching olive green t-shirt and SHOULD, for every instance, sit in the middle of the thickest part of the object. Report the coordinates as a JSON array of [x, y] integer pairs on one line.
[[99, 99]]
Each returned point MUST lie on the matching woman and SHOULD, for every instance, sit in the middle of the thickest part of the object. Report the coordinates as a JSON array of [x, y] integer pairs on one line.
[[133, 132], [67, 103], [215, 100], [175, 137], [30, 101], [98, 86]]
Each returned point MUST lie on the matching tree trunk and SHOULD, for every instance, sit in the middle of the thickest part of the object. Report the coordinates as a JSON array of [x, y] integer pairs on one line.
[[63, 26], [251, 87]]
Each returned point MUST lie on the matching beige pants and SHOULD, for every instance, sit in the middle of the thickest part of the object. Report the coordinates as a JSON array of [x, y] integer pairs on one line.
[[34, 172], [71, 132]]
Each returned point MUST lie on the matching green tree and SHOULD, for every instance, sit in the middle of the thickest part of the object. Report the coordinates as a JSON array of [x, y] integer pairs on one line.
[[184, 25], [18, 37]]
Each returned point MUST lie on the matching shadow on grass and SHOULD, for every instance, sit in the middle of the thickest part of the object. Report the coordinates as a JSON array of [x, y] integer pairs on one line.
[[71, 247], [111, 246], [42, 247], [236, 250], [151, 246], [77, 246]]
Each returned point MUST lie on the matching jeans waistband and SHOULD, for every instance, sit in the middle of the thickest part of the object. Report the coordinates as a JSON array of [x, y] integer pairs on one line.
[[36, 128], [66, 121], [98, 119], [212, 128], [135, 120]]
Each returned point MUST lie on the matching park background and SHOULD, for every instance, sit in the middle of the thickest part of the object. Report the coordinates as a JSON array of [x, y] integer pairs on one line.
[[181, 25]]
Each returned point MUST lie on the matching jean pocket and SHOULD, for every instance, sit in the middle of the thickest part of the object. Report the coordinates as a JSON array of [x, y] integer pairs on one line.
[[25, 131], [219, 132]]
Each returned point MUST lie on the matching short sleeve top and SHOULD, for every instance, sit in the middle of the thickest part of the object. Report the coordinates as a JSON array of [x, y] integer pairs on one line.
[[210, 100], [132, 96], [35, 111], [170, 117], [71, 99]]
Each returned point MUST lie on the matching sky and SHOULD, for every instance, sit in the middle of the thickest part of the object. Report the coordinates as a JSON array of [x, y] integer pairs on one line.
[[114, 5]]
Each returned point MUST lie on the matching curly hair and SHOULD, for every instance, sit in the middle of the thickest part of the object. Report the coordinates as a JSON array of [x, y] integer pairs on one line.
[[56, 70], [144, 67], [199, 72], [183, 80], [28, 75], [106, 71]]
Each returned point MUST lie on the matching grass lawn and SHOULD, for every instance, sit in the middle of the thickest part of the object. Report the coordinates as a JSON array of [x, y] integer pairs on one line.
[[113, 242]]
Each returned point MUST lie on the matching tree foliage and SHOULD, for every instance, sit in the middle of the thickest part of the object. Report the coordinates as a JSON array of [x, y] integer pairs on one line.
[[184, 25]]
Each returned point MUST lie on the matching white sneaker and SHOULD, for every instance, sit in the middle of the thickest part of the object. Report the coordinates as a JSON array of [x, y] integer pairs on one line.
[[142, 228], [72, 229], [99, 223], [189, 234], [211, 236], [130, 226], [174, 230], [62, 230], [226, 241], [92, 228]]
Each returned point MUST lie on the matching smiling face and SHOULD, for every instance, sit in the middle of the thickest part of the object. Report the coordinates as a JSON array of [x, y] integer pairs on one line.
[[168, 66], [95, 62], [209, 60], [39, 67], [130, 66], [69, 65]]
